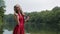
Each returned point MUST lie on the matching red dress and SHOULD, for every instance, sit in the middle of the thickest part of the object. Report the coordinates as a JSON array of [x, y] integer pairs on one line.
[[19, 29]]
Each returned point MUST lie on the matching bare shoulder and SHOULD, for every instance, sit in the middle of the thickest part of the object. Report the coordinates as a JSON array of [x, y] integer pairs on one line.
[[24, 14], [15, 14]]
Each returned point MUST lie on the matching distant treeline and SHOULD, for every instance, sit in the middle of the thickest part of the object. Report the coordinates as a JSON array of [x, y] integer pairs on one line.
[[47, 20]]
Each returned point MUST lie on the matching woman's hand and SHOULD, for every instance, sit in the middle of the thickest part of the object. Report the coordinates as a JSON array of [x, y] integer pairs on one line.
[[27, 18]]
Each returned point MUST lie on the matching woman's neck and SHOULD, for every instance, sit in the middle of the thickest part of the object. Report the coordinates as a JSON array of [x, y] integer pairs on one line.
[[19, 12]]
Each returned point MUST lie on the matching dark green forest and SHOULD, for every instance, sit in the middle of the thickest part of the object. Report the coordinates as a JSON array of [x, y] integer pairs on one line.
[[44, 22]]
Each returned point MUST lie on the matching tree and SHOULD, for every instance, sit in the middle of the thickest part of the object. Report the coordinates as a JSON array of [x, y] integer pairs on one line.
[[2, 5]]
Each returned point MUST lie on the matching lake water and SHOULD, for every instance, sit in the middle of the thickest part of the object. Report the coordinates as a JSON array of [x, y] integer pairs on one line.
[[9, 32]]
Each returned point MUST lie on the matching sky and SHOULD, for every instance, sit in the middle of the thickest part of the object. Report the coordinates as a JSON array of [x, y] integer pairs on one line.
[[31, 5]]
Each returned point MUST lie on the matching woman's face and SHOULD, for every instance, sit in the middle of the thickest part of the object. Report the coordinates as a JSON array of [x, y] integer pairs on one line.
[[18, 8]]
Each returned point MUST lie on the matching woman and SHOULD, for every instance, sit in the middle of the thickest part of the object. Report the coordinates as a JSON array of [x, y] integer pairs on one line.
[[19, 17]]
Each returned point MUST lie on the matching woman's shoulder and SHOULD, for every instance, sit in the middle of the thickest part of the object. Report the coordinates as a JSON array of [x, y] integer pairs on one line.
[[23, 14], [15, 14]]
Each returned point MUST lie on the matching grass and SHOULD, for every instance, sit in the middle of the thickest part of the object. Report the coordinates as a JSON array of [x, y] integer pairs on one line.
[[45, 32]]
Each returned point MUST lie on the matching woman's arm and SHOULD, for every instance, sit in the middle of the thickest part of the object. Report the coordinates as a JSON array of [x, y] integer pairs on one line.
[[26, 17], [16, 17]]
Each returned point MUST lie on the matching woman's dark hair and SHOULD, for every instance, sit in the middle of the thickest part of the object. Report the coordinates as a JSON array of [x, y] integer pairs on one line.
[[15, 9]]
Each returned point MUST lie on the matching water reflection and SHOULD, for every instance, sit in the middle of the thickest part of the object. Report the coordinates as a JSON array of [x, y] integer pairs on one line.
[[7, 32]]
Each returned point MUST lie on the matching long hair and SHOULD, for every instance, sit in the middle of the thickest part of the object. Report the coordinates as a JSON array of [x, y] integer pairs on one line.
[[15, 9]]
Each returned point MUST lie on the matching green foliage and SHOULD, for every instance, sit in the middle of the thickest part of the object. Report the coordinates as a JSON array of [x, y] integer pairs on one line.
[[48, 20], [2, 6], [9, 22]]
